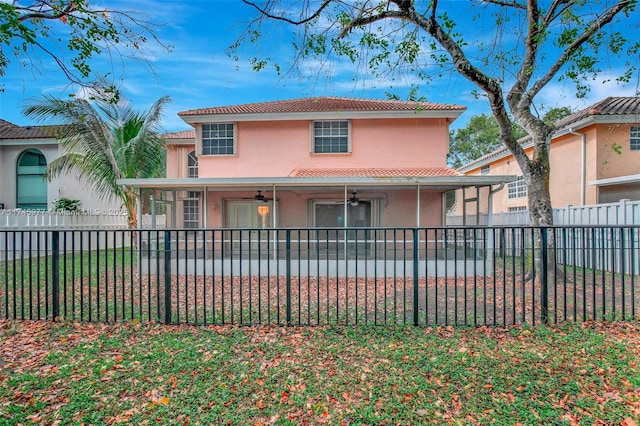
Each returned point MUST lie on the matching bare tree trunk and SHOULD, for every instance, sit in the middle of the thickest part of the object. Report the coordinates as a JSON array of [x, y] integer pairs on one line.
[[132, 215]]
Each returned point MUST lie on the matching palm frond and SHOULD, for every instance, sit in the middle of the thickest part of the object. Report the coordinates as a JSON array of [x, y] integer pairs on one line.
[[102, 142]]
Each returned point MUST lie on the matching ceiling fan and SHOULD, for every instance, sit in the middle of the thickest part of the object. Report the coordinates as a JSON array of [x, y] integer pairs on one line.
[[353, 200], [260, 197]]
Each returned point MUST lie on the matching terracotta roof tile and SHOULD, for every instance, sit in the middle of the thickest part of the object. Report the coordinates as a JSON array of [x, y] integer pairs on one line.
[[12, 131], [375, 172], [608, 106], [184, 134], [323, 104]]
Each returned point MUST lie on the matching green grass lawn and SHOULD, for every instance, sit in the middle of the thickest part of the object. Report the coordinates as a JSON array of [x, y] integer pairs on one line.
[[135, 373]]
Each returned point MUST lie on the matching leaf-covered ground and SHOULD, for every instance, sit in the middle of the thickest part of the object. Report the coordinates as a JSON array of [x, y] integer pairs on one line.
[[132, 373]]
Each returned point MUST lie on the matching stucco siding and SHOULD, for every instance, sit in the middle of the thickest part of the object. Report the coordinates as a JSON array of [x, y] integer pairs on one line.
[[609, 162], [270, 149], [64, 186]]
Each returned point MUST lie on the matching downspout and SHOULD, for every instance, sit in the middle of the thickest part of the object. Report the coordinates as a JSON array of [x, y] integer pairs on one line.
[[490, 201], [583, 153]]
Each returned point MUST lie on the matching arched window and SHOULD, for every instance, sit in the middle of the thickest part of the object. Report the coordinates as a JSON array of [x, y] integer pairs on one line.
[[31, 184], [192, 165]]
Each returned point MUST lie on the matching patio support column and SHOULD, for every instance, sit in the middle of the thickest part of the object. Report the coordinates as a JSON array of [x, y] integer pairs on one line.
[[205, 209], [153, 211], [418, 207], [491, 237], [174, 211], [346, 218], [274, 217], [464, 206], [275, 208], [139, 208], [478, 205], [346, 209]]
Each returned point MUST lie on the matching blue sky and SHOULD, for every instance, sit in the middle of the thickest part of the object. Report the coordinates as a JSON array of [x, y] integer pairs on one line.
[[198, 72]]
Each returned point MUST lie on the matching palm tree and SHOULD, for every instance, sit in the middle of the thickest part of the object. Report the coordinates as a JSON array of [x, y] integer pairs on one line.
[[104, 140]]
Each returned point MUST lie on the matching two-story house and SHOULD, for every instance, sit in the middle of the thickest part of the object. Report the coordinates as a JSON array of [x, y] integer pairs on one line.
[[594, 157], [318, 162]]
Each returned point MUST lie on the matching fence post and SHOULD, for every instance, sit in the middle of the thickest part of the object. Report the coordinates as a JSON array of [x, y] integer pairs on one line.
[[167, 277], [288, 269], [55, 274], [544, 314], [622, 218], [416, 246]]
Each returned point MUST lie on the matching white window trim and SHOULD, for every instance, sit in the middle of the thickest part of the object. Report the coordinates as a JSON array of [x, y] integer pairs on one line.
[[634, 135], [199, 144], [485, 170], [190, 198], [194, 167], [518, 187], [312, 139]]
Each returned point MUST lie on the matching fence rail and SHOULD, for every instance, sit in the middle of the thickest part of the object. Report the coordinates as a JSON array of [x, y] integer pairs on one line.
[[310, 276], [624, 212], [85, 219]]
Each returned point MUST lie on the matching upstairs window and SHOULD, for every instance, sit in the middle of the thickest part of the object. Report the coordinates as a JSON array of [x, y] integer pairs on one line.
[[517, 188], [192, 165], [330, 137], [218, 139], [634, 138], [485, 170]]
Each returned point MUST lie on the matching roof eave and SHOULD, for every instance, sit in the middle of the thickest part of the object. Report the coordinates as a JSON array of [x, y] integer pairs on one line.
[[29, 141], [423, 181], [182, 141], [618, 180], [329, 115]]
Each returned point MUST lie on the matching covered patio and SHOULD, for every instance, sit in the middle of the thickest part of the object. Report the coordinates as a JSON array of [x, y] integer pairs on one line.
[[314, 201], [328, 225]]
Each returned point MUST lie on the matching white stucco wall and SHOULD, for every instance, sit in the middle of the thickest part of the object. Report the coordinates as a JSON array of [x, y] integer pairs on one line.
[[64, 186]]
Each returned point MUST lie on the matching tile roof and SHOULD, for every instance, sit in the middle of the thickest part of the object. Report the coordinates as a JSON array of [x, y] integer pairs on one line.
[[183, 134], [324, 104], [12, 131], [608, 106], [376, 172]]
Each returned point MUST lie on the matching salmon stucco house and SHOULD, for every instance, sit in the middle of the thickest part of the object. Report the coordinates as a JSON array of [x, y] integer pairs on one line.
[[594, 157], [312, 162]]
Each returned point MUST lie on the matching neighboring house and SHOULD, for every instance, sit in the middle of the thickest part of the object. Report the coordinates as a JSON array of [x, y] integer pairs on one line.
[[25, 153], [594, 157], [328, 161]]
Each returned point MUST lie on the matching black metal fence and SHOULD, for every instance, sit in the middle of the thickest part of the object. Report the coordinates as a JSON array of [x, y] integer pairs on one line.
[[310, 276]]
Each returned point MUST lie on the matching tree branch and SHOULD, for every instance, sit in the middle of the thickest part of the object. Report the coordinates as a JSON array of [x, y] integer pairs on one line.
[[555, 10], [507, 4], [366, 20], [290, 21], [489, 85], [52, 13], [517, 95], [593, 28]]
